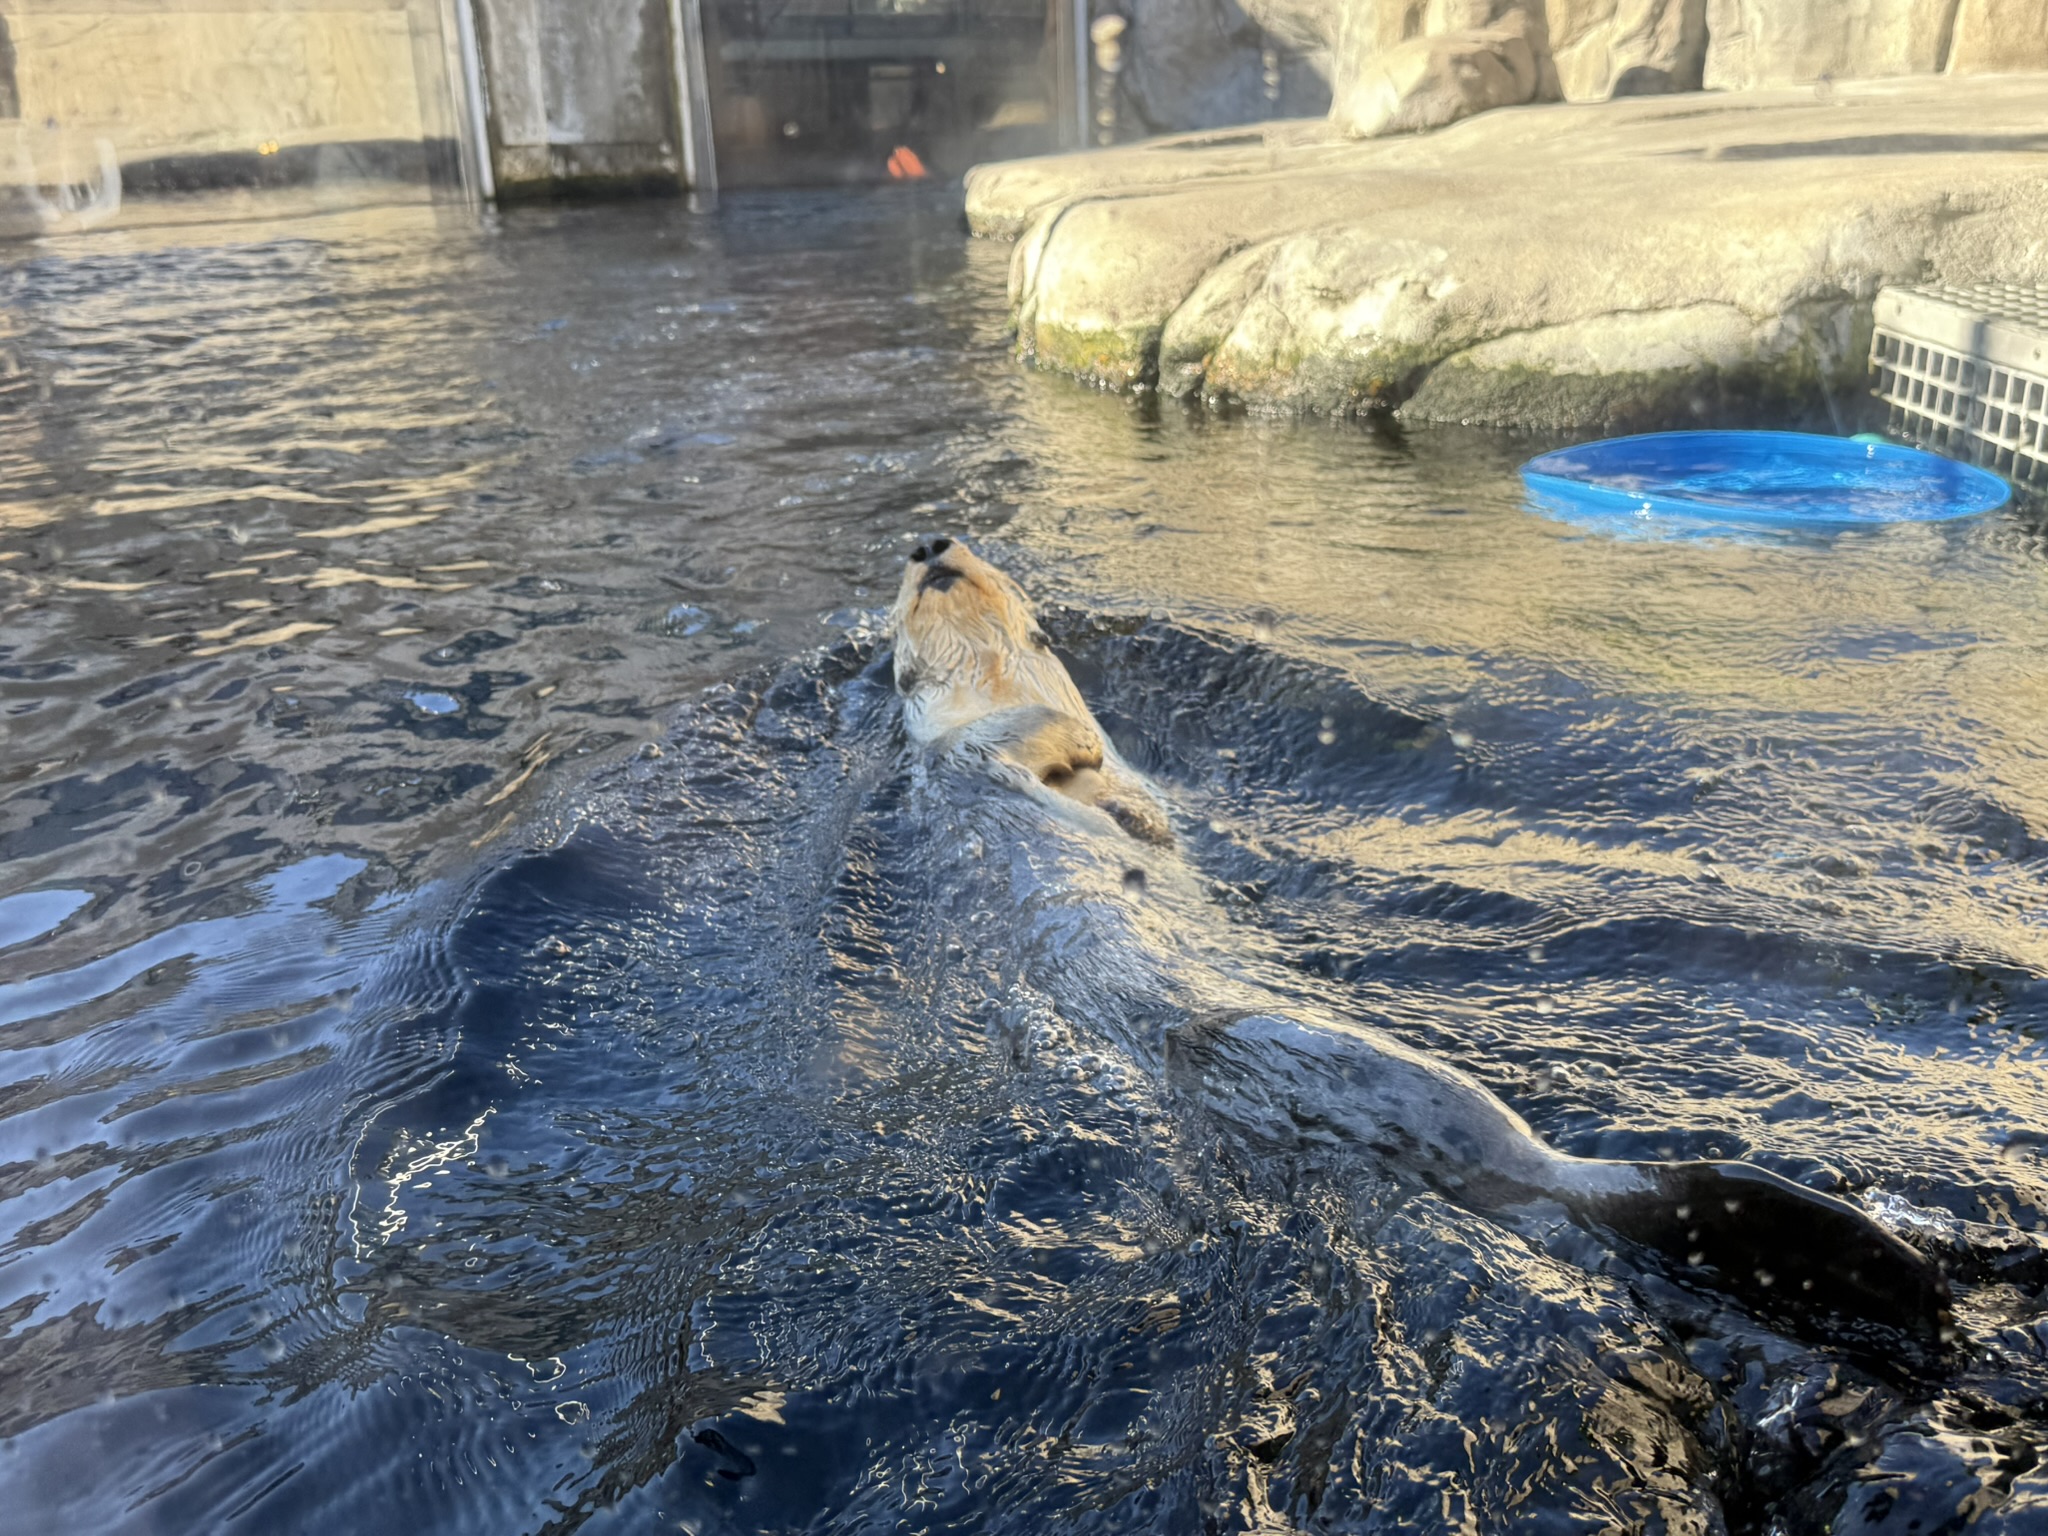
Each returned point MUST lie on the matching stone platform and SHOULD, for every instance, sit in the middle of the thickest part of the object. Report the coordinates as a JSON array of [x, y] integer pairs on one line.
[[1640, 262]]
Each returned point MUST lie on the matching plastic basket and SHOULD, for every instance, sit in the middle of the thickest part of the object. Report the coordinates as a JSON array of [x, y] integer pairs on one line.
[[1965, 370]]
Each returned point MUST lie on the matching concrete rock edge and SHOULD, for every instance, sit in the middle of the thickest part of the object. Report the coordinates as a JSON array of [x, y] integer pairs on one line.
[[1120, 297]]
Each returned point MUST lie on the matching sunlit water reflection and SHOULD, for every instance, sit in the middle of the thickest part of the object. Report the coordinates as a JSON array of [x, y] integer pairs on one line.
[[455, 1072]]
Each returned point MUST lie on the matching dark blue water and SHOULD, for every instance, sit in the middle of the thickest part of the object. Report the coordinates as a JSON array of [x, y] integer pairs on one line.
[[487, 1042]]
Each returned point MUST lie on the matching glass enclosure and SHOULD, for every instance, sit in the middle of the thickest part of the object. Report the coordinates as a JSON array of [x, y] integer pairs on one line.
[[810, 90], [123, 110], [114, 109]]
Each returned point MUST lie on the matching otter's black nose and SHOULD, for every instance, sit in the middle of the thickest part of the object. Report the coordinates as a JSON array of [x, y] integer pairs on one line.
[[930, 551]]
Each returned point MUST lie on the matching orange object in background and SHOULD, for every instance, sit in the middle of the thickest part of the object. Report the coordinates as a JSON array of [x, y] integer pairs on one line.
[[905, 166]]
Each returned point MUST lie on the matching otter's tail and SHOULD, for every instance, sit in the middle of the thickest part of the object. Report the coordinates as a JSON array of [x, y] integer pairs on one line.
[[1778, 1246]]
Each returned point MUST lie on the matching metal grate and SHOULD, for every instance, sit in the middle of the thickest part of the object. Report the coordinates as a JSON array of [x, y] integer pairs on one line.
[[1965, 370]]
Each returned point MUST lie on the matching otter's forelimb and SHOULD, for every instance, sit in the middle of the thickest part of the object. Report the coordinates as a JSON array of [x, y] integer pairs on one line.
[[1051, 752]]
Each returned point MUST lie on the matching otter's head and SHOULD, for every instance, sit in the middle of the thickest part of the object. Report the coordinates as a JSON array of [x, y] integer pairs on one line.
[[968, 645]]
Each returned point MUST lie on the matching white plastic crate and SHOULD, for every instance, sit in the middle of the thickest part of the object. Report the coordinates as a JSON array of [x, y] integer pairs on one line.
[[1965, 370]]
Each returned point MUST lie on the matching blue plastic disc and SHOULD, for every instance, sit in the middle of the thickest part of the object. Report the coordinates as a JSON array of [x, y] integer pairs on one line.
[[1701, 482]]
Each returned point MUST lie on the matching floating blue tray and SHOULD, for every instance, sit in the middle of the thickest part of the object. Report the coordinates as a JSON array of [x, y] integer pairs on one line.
[[1703, 482]]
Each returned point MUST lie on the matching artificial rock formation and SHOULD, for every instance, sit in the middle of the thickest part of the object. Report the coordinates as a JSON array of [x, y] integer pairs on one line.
[[1788, 42], [1499, 60], [1646, 261], [1605, 48], [1202, 64], [1999, 37], [1403, 65]]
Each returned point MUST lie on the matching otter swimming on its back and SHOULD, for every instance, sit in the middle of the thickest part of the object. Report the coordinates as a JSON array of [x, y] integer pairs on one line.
[[984, 694], [979, 680]]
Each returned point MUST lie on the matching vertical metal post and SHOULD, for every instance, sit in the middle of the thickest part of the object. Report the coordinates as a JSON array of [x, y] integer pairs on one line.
[[693, 102], [476, 142]]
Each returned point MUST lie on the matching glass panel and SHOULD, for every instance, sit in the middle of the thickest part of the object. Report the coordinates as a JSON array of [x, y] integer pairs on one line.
[[145, 111], [833, 90]]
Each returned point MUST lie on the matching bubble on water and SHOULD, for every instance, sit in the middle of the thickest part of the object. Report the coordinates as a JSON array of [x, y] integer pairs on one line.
[[271, 1349], [1327, 738], [572, 1412], [434, 703], [685, 620], [1134, 883], [192, 869], [1461, 739]]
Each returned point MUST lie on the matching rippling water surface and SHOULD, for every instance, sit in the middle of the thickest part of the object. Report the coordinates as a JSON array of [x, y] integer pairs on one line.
[[487, 1043]]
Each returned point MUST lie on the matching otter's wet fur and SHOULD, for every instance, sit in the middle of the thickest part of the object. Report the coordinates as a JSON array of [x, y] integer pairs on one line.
[[1115, 922]]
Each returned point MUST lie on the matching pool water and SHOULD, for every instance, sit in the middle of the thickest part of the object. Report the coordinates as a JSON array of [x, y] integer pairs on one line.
[[487, 1042]]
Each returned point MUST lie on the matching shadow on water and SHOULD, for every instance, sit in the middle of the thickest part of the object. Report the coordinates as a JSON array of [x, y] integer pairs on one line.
[[444, 1084]]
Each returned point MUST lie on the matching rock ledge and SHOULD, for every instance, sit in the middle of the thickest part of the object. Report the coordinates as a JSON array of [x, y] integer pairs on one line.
[[1639, 262]]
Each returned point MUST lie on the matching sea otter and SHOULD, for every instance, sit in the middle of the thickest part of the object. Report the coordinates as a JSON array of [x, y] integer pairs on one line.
[[1082, 845]]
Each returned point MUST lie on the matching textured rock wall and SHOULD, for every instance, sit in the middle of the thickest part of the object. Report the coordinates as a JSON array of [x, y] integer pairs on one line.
[[1464, 56], [1403, 65], [1201, 64], [1999, 37], [1791, 42], [1606, 48]]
